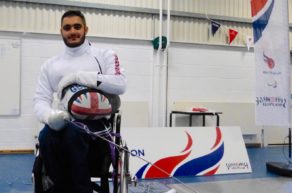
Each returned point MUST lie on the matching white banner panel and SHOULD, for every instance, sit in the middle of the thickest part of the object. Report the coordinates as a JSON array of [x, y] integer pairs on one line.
[[272, 58], [186, 151]]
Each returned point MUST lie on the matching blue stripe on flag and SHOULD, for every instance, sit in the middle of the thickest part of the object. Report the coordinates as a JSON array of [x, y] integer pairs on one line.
[[260, 24]]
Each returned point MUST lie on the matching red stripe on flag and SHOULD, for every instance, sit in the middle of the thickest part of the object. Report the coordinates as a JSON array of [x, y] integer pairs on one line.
[[256, 6]]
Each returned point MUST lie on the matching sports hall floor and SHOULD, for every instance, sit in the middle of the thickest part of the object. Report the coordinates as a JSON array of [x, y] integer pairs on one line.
[[15, 177]]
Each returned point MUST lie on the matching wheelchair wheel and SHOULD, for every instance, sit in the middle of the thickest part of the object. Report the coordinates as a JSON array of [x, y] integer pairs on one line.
[[124, 174], [41, 182]]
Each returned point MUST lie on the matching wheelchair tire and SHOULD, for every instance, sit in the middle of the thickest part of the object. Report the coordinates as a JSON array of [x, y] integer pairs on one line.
[[41, 182], [124, 179], [36, 175]]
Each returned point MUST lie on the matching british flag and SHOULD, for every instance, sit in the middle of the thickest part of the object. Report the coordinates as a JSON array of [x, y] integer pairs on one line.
[[91, 105]]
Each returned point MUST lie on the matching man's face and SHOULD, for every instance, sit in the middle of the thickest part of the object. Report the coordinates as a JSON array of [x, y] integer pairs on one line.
[[73, 31]]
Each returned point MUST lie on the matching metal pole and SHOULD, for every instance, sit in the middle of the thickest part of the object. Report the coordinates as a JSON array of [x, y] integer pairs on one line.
[[289, 143]]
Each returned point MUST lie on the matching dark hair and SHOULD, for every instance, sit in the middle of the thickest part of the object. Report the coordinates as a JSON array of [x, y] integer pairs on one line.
[[71, 13]]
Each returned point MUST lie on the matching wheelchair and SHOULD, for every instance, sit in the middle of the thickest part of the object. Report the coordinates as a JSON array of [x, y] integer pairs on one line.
[[117, 168]]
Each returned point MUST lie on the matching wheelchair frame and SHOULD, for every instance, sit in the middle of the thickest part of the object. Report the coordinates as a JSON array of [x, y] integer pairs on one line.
[[120, 175]]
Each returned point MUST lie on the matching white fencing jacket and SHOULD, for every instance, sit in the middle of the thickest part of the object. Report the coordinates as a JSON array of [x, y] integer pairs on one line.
[[109, 74]]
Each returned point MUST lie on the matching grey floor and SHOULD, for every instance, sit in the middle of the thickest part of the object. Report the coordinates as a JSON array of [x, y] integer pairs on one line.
[[257, 185], [15, 177], [259, 181]]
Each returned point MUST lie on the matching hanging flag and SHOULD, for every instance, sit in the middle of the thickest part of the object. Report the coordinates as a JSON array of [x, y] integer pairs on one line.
[[232, 34], [249, 41], [214, 27], [272, 59]]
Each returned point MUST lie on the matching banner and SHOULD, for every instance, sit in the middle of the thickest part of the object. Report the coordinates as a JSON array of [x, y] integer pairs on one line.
[[231, 35], [272, 59], [214, 27], [185, 151], [249, 42]]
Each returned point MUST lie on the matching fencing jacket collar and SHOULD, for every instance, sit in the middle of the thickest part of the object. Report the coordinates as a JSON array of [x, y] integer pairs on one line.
[[78, 51]]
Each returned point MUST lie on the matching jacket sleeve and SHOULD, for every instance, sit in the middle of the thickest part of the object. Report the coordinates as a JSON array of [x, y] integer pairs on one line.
[[43, 97], [112, 79]]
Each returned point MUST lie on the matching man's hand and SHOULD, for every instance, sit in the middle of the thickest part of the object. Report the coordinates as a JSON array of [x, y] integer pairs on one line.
[[57, 119]]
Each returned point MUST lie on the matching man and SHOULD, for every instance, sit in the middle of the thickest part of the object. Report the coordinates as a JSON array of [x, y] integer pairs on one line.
[[66, 150]]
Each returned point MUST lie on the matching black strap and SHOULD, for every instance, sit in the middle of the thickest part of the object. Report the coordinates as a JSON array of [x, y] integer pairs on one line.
[[98, 65]]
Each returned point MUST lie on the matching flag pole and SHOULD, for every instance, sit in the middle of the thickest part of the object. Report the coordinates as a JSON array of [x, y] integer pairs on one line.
[[290, 143]]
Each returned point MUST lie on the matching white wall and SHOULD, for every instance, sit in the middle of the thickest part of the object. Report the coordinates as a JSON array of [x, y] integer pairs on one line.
[[209, 73]]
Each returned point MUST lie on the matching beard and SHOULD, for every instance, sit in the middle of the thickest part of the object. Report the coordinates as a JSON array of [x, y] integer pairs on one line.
[[75, 44]]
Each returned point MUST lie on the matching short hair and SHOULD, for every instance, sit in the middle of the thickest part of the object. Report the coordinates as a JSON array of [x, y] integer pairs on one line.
[[72, 13]]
